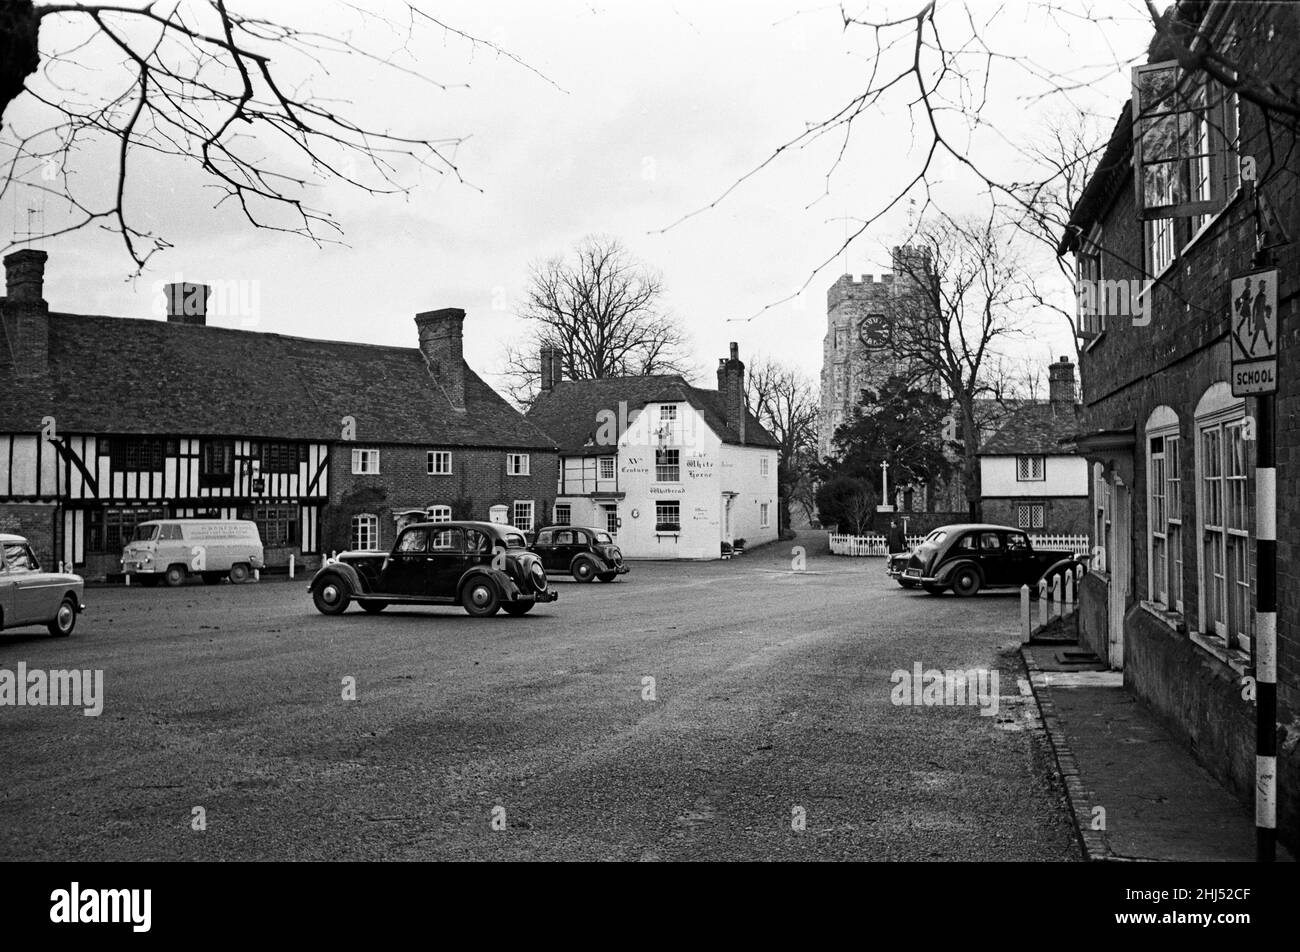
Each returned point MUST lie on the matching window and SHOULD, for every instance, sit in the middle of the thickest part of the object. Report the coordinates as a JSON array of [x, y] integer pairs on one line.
[[523, 514], [439, 463], [440, 513], [1031, 515], [762, 513], [1159, 245], [990, 542], [217, 463], [1183, 131], [365, 461], [1101, 517], [563, 513], [516, 464], [18, 558], [109, 530], [414, 540], [1165, 512], [668, 466], [1089, 289], [282, 457], [1222, 476], [134, 455], [607, 467], [763, 464], [668, 413], [365, 532], [1030, 468], [668, 515], [611, 520], [564, 537], [1017, 542], [277, 525], [447, 540]]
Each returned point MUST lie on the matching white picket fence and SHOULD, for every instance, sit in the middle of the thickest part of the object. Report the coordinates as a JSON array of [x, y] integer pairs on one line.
[[876, 545]]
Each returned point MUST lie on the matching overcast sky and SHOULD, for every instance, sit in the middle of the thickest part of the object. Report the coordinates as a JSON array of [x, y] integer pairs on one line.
[[659, 108]]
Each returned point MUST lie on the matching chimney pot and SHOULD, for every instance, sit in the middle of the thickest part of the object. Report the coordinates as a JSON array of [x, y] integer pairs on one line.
[[24, 314], [1061, 385], [731, 384], [442, 344], [187, 303]]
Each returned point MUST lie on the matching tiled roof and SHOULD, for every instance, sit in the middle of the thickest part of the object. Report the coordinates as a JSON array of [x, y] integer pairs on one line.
[[1036, 428], [568, 413], [122, 375]]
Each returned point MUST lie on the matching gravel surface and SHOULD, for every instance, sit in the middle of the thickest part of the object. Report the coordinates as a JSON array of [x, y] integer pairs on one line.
[[772, 704]]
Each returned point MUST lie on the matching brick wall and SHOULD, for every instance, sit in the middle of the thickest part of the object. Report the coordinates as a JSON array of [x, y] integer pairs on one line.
[[478, 482], [35, 522]]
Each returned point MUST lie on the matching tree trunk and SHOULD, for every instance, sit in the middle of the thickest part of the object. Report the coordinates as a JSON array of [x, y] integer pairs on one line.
[[19, 53]]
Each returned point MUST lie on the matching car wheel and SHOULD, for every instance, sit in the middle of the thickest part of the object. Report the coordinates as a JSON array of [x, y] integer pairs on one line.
[[584, 570], [480, 598], [211, 578], [933, 589], [607, 576], [374, 607], [965, 583], [518, 608], [331, 597], [239, 573], [65, 619], [176, 575]]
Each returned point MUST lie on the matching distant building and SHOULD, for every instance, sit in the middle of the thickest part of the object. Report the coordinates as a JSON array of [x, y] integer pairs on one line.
[[107, 421], [856, 309], [671, 470], [1030, 476]]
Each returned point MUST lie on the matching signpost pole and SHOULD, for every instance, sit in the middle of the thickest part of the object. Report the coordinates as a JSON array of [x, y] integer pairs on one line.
[[1265, 633]]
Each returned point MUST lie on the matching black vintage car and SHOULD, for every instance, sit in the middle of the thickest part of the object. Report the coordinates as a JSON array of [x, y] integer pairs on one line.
[[481, 566], [969, 557], [583, 552]]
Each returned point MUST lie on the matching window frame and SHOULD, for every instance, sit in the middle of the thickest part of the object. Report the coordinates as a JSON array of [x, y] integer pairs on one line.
[[1224, 592], [433, 460], [357, 521], [359, 455], [1040, 460], [512, 459], [600, 468], [666, 472], [663, 526], [514, 514]]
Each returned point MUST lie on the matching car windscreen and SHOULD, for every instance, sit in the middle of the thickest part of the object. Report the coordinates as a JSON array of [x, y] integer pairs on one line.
[[17, 557], [602, 537], [515, 541], [935, 537], [145, 532]]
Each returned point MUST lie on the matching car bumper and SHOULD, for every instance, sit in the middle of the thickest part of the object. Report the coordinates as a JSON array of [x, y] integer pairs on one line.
[[139, 568], [546, 596]]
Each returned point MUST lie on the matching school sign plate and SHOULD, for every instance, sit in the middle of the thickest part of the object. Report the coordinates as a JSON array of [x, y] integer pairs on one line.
[[1254, 333]]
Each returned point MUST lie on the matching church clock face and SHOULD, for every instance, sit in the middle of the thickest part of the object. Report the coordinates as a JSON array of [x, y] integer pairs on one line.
[[874, 333]]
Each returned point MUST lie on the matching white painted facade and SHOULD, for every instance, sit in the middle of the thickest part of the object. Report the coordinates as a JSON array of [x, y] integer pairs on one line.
[[717, 492], [1062, 476]]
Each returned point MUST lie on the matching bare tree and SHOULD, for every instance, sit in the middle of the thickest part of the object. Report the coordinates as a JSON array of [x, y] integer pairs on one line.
[[787, 403], [967, 291], [600, 308], [200, 82]]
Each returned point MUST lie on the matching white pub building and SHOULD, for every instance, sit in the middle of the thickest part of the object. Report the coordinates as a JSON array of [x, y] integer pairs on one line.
[[672, 471]]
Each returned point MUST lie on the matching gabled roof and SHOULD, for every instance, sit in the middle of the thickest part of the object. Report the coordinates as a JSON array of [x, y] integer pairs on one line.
[[1040, 429], [151, 377], [568, 413]]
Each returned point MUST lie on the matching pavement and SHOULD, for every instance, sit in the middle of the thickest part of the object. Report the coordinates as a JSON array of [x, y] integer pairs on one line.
[[728, 710], [1136, 792]]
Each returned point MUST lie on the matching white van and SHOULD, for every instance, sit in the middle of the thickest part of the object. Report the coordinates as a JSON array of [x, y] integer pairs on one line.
[[174, 549]]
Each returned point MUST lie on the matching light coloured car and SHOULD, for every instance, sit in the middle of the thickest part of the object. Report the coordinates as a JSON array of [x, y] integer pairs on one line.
[[30, 596], [172, 550]]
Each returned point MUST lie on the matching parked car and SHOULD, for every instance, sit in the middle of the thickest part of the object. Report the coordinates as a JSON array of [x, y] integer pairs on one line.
[[29, 596], [896, 564], [481, 566], [582, 552], [172, 550], [970, 557]]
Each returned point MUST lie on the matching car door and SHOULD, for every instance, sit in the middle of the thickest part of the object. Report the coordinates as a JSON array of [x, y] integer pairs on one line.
[[7, 584], [28, 594], [543, 547], [407, 566], [992, 558], [448, 559], [1020, 562], [564, 550]]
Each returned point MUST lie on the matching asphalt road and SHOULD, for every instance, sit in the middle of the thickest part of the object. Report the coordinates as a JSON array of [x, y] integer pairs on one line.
[[772, 709]]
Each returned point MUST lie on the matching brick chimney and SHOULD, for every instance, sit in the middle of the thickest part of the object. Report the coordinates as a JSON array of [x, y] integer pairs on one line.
[[552, 368], [187, 303], [442, 344], [731, 384], [26, 315], [1060, 384]]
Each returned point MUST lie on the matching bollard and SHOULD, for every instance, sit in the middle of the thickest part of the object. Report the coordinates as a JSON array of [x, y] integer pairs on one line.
[[1042, 602], [257, 575], [291, 566], [1024, 611], [126, 578], [1069, 591]]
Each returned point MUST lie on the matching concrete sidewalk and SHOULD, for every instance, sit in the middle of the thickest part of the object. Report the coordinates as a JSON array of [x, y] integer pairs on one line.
[[1136, 793]]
